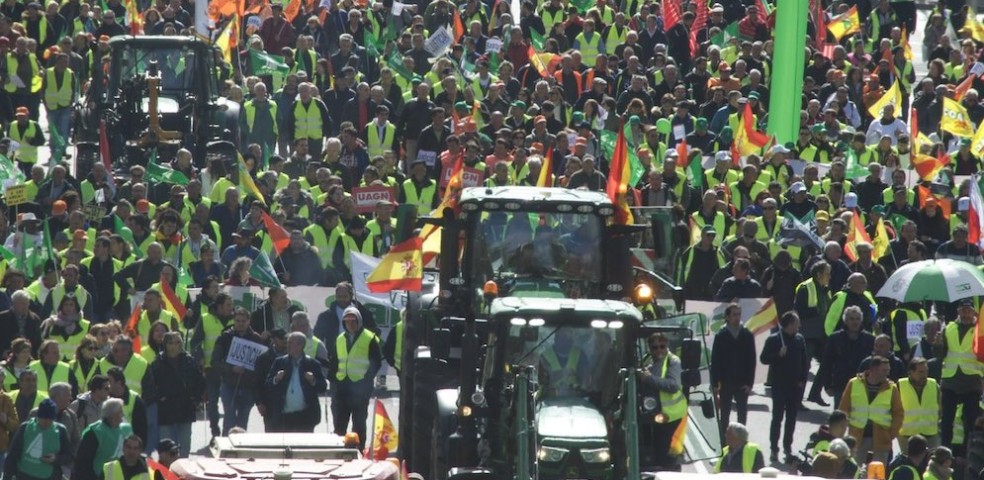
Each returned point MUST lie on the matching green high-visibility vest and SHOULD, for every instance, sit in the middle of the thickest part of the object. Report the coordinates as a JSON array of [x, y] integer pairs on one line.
[[134, 371], [747, 458], [326, 245], [38, 442], [422, 199], [353, 364], [307, 121], [56, 97], [674, 404], [250, 111], [110, 443], [921, 414], [26, 152], [879, 411]]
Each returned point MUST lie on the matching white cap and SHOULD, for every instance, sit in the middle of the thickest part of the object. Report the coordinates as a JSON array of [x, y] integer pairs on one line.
[[851, 200], [779, 148], [963, 204], [798, 187], [722, 156], [27, 217]]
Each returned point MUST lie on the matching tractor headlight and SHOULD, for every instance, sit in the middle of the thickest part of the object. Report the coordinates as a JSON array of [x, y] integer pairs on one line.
[[551, 454], [596, 455], [649, 403]]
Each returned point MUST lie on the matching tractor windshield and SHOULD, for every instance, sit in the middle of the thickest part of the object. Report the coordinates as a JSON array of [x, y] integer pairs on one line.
[[570, 361], [176, 67], [561, 246]]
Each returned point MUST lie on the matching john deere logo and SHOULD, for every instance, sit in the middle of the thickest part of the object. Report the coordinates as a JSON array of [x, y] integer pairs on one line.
[[963, 287], [899, 285]]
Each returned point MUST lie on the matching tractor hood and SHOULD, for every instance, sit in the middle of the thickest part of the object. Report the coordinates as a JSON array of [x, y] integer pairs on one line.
[[570, 418]]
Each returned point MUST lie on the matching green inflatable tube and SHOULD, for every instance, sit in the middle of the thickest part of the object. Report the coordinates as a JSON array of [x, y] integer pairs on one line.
[[787, 71]]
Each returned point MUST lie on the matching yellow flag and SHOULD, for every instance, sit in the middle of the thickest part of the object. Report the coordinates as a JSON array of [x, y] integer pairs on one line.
[[977, 143], [845, 24], [955, 119], [975, 26], [224, 41], [880, 242], [892, 96]]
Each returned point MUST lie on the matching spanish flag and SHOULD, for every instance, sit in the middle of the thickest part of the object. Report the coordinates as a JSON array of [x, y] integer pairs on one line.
[[246, 181], [925, 194], [955, 119], [132, 331], [133, 17], [926, 166], [880, 242], [546, 171], [764, 319], [857, 235], [748, 140], [845, 24], [401, 268], [385, 439], [172, 303], [618, 180]]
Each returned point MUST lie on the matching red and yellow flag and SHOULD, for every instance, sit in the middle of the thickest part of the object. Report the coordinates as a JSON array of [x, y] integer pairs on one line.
[[132, 331], [292, 10], [748, 140], [926, 166], [280, 237], [942, 202], [857, 235], [134, 18], [546, 171], [385, 439], [172, 303], [764, 319], [458, 25], [401, 269], [618, 180]]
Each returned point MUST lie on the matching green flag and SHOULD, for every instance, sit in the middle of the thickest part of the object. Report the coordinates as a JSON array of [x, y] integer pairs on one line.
[[582, 5], [696, 173], [636, 167], [163, 174], [374, 47], [722, 37], [538, 41], [127, 235], [395, 63], [10, 171], [262, 271], [7, 254], [854, 170], [267, 64]]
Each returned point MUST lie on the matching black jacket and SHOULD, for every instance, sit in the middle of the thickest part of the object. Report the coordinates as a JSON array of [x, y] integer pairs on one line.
[[792, 368], [329, 325], [276, 392], [842, 356], [364, 386], [9, 331], [180, 385], [262, 318], [733, 358]]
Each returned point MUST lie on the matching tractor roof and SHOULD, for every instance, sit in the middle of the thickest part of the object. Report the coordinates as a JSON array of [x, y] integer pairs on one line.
[[157, 41], [535, 198], [574, 309]]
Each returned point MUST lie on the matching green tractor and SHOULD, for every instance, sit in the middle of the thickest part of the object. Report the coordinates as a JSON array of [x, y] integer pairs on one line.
[[490, 387]]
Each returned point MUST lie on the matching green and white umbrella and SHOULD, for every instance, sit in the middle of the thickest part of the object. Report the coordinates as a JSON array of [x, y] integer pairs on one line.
[[942, 280]]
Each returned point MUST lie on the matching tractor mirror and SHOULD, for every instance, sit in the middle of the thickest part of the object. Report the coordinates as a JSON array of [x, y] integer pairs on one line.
[[690, 351], [441, 343]]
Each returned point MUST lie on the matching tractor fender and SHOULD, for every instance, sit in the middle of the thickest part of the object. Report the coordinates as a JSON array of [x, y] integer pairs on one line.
[[445, 422], [227, 116]]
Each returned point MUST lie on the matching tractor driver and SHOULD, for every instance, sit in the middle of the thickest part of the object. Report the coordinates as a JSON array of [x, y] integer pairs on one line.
[[563, 367]]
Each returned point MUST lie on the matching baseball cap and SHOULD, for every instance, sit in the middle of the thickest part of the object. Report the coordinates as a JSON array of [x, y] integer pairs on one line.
[[798, 187], [48, 410], [966, 302], [722, 156], [823, 215], [708, 229], [779, 149], [278, 333], [851, 200]]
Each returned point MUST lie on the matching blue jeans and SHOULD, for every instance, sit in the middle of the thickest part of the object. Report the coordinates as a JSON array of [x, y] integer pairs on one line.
[[60, 120], [153, 431], [180, 433], [237, 401]]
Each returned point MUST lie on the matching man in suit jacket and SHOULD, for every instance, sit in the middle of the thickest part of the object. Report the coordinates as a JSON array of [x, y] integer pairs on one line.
[[296, 381], [19, 321]]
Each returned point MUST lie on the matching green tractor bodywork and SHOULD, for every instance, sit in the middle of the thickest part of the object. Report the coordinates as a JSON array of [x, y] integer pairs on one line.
[[475, 400]]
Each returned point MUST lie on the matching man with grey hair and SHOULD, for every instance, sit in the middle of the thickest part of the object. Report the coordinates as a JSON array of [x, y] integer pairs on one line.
[[844, 351], [19, 322], [739, 455], [102, 441], [313, 346], [855, 294], [61, 394], [294, 381]]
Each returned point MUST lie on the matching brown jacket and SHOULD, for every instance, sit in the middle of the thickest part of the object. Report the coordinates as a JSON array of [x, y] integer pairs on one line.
[[7, 428], [881, 437]]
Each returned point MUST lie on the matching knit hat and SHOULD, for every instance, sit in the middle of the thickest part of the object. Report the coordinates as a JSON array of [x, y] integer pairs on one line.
[[48, 409]]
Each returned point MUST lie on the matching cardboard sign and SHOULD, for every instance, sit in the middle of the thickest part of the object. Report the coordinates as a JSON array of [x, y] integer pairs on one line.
[[94, 213], [367, 197], [243, 353], [438, 42], [16, 195], [493, 45]]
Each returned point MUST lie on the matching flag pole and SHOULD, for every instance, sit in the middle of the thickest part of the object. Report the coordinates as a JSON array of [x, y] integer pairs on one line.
[[371, 433]]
